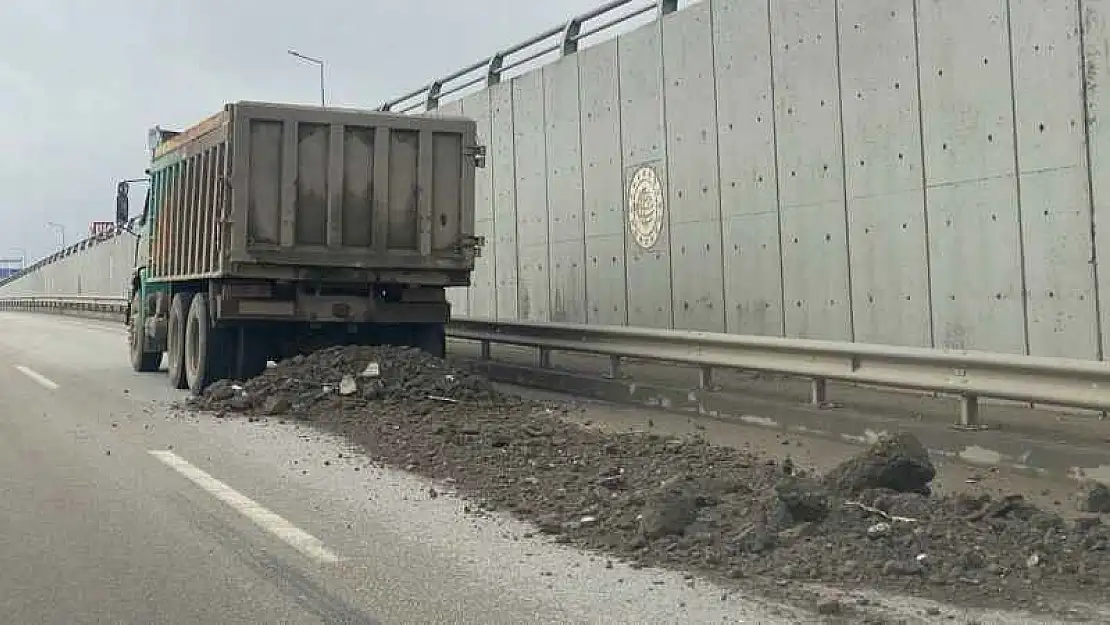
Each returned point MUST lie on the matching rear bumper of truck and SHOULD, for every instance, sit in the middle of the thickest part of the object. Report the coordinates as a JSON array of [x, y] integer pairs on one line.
[[412, 305]]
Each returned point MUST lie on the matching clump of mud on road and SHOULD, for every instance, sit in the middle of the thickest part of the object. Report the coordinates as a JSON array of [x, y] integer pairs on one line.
[[682, 503]]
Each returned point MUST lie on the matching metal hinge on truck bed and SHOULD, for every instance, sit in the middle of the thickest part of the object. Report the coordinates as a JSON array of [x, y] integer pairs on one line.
[[471, 245], [478, 153]]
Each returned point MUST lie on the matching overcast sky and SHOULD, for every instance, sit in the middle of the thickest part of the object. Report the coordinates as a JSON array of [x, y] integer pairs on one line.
[[81, 81]]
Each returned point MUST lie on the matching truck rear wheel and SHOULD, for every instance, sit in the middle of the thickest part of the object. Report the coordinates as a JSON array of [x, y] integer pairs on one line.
[[141, 360], [175, 340], [205, 349]]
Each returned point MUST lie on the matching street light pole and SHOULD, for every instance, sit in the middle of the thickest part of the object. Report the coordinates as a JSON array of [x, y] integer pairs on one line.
[[60, 229], [22, 257], [318, 62]]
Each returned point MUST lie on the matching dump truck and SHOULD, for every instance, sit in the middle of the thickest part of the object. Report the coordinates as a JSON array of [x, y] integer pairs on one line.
[[270, 230]]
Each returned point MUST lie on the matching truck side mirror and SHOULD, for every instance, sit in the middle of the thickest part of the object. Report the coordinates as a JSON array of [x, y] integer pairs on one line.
[[122, 208]]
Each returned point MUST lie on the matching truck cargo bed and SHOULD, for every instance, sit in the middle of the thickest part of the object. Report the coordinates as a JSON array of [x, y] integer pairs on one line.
[[287, 192]]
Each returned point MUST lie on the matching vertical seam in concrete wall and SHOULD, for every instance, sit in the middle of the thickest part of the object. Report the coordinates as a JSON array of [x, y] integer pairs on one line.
[[620, 170], [778, 178], [844, 176], [924, 177], [582, 188], [666, 163], [1090, 176], [717, 155], [1017, 177]]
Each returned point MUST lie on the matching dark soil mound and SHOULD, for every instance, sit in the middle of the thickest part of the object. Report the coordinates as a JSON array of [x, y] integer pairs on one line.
[[681, 502]]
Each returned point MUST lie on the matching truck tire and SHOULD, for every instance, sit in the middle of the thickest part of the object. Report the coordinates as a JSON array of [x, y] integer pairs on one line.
[[205, 348], [141, 360], [175, 340], [430, 337]]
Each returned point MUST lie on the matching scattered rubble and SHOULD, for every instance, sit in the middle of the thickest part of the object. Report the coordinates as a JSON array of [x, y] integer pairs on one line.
[[1093, 497], [869, 523]]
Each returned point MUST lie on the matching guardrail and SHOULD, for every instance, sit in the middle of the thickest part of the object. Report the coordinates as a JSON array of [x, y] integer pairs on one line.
[[965, 374], [88, 303], [563, 39]]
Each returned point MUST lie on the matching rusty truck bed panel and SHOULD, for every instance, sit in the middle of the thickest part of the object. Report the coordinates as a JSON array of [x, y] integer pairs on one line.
[[265, 187]]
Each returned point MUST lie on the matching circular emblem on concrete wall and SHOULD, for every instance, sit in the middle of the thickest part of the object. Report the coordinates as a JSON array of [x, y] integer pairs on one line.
[[645, 207]]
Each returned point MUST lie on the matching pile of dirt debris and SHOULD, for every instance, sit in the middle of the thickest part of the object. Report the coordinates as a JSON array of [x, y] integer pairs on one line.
[[869, 523]]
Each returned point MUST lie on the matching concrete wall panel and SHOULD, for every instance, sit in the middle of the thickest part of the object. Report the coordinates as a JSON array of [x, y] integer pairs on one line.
[[602, 172], [502, 161], [1054, 191], [534, 291], [568, 282], [975, 244], [602, 186], [643, 143], [530, 152], [889, 279], [694, 189], [883, 172], [811, 169], [746, 145], [565, 190], [976, 278], [482, 299], [605, 278], [751, 259], [1095, 25], [816, 305]]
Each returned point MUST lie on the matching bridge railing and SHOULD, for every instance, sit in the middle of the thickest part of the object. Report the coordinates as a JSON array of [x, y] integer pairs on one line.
[[77, 247], [965, 374], [563, 40]]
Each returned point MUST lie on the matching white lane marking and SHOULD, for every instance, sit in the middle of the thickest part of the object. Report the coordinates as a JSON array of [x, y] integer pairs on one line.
[[295, 537], [38, 377]]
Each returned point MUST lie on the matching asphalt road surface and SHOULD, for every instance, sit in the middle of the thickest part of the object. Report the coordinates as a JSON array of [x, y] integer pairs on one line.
[[116, 509]]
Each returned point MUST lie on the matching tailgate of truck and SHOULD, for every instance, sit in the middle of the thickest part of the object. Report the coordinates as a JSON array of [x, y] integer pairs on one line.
[[345, 188]]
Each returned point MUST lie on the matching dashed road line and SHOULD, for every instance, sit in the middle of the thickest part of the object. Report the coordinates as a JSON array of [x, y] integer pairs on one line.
[[37, 377], [295, 537]]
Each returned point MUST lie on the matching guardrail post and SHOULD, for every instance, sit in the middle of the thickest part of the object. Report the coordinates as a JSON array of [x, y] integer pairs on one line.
[[493, 69], [484, 350], [705, 378], [543, 358], [614, 368], [570, 36], [818, 391], [431, 102], [969, 412]]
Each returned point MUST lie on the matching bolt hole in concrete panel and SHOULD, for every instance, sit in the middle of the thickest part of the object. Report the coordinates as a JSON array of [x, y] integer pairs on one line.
[[969, 178], [645, 177], [529, 150], [808, 137], [482, 297], [602, 189], [1055, 196], [563, 137], [503, 166], [691, 133]]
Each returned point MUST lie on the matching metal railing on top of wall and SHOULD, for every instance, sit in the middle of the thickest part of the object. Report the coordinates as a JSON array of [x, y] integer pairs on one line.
[[79, 246], [968, 375], [563, 39]]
